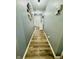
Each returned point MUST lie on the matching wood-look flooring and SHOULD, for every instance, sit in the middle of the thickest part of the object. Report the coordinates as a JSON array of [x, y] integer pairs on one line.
[[39, 47]]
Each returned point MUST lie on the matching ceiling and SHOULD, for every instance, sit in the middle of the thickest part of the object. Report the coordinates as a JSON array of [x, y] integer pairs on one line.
[[41, 6]]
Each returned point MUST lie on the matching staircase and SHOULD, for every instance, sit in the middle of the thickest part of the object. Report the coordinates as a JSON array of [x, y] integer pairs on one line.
[[39, 47]]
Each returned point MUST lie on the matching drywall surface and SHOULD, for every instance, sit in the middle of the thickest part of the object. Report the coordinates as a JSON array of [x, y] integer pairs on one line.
[[53, 26], [24, 28]]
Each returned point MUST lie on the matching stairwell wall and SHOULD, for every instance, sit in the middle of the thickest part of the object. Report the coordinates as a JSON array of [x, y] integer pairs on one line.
[[53, 26], [24, 29]]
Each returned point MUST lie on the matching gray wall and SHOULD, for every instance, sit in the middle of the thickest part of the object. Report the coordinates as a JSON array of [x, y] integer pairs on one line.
[[24, 29], [53, 26]]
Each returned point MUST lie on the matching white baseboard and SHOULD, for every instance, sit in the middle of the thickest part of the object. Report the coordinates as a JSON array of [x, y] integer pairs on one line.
[[56, 57], [28, 45]]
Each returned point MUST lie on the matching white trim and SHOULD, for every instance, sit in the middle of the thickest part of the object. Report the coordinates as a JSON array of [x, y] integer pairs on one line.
[[28, 45], [56, 57]]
